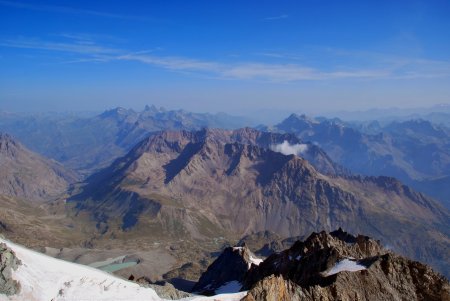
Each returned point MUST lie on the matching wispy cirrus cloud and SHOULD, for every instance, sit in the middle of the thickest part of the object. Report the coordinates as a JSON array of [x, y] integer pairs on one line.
[[279, 17], [66, 10], [90, 51], [293, 72], [250, 70], [87, 47], [173, 63]]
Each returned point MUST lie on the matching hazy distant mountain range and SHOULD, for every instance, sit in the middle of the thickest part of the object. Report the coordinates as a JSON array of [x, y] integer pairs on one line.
[[438, 114], [87, 143], [414, 151], [170, 176]]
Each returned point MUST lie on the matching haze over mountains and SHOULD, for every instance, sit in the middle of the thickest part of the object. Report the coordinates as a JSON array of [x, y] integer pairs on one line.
[[87, 143], [437, 114], [143, 183], [414, 151]]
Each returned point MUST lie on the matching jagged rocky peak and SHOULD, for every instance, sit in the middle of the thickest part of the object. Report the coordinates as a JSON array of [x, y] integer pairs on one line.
[[340, 266], [345, 243], [151, 108], [151, 112], [303, 117], [176, 141], [227, 271], [312, 259], [325, 266], [164, 141]]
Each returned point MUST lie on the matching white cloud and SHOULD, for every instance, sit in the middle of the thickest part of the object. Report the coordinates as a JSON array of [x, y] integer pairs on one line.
[[290, 149]]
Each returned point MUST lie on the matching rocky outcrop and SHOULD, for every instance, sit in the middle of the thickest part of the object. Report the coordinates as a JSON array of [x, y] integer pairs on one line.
[[231, 265], [389, 278], [274, 288], [339, 266], [306, 261], [163, 289], [8, 263]]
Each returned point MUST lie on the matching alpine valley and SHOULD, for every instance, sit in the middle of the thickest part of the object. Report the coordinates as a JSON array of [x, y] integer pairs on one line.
[[188, 204]]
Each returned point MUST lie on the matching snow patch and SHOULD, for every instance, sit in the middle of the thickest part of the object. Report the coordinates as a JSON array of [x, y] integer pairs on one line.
[[345, 265], [255, 261], [289, 149], [44, 278], [229, 287]]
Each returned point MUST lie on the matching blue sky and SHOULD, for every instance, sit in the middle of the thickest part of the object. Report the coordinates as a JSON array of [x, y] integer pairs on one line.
[[233, 56]]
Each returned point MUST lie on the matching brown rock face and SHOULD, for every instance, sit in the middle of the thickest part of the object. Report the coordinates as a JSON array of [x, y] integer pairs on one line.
[[275, 288], [29, 176], [313, 274], [407, 281], [217, 183]]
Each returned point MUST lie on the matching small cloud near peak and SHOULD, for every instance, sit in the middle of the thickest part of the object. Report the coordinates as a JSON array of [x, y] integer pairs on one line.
[[289, 149]]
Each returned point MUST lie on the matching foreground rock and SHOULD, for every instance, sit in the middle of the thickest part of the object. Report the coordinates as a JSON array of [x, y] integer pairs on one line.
[[227, 271], [339, 266], [8, 263], [325, 267], [163, 289]]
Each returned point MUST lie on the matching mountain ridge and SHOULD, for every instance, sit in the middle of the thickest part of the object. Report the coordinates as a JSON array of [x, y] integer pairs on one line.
[[88, 143], [189, 184], [415, 151], [30, 176]]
